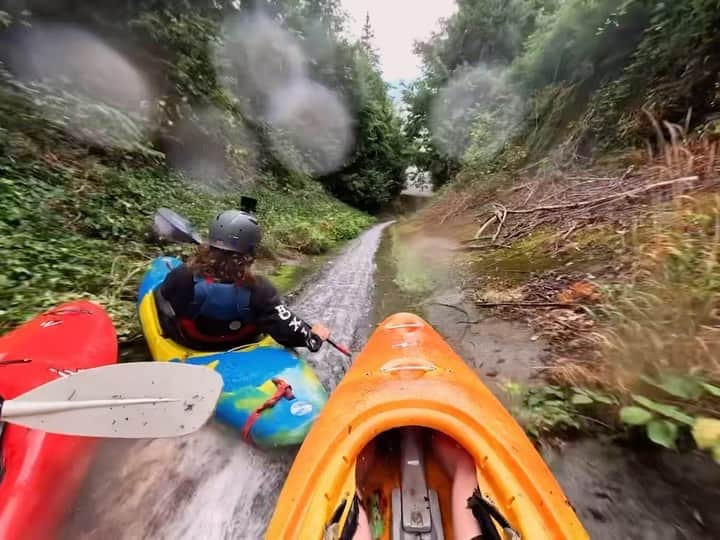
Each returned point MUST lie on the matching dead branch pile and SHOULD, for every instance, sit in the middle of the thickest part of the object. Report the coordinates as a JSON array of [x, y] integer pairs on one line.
[[568, 201]]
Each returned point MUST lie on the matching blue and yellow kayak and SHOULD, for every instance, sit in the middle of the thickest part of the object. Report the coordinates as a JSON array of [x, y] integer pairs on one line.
[[255, 398]]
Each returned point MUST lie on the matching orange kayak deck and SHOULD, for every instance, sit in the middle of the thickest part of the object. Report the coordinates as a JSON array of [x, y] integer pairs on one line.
[[407, 375]]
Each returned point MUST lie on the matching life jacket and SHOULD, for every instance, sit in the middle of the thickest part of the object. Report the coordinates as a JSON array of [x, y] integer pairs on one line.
[[226, 302]]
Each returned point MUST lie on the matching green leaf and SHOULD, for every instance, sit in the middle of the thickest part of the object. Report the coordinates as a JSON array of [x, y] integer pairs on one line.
[[711, 389], [602, 398], [635, 416], [681, 387], [663, 432], [666, 410], [716, 454], [581, 399]]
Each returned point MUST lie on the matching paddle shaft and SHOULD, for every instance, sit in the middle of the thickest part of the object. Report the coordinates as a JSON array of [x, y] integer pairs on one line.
[[12, 409], [340, 348]]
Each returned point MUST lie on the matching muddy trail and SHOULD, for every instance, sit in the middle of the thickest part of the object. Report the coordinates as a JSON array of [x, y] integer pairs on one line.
[[210, 485]]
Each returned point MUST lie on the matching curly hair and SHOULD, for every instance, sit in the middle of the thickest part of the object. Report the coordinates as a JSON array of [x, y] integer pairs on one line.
[[220, 265]]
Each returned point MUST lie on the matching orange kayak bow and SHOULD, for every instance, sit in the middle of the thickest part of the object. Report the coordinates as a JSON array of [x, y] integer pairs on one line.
[[407, 375]]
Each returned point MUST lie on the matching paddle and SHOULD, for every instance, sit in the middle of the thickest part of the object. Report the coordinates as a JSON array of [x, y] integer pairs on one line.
[[129, 401], [176, 228]]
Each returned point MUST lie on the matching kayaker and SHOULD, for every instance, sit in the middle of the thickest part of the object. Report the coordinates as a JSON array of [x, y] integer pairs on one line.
[[215, 299], [458, 465]]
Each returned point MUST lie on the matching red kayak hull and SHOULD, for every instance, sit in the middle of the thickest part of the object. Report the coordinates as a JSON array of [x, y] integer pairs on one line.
[[43, 472]]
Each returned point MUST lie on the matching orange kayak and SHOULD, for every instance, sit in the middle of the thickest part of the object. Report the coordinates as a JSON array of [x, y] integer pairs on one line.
[[407, 375]]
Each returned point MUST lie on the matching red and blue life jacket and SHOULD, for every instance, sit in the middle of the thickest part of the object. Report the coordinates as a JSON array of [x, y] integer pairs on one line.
[[226, 302]]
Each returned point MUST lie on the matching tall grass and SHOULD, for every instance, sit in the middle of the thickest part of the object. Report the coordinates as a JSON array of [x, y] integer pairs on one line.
[[667, 318]]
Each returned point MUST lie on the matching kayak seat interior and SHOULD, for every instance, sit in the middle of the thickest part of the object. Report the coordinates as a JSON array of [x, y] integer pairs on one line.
[[406, 493]]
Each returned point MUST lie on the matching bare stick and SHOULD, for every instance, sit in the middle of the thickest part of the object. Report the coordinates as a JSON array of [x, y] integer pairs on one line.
[[502, 213], [589, 179], [530, 193], [450, 306], [529, 304], [609, 198], [658, 130], [570, 230], [484, 226]]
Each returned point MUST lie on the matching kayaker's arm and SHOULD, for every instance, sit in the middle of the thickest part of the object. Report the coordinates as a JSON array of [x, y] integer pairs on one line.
[[178, 289], [273, 317]]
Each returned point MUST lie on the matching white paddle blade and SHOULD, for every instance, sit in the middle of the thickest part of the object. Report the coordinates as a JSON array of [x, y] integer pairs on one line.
[[130, 401]]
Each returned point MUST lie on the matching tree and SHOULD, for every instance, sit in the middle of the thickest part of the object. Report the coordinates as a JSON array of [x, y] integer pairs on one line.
[[480, 33], [184, 48], [367, 41]]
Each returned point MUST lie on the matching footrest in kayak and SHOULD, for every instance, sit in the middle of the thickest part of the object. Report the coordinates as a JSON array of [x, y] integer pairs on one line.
[[435, 532], [415, 509]]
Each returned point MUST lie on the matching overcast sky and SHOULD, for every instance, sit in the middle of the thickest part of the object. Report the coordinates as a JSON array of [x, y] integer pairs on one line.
[[397, 24]]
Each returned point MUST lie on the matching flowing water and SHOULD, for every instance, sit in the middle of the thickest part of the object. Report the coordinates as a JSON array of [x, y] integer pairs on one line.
[[210, 485]]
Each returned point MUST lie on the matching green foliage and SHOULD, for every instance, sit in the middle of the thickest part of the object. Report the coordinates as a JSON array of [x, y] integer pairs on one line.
[[186, 40], [377, 174], [74, 225], [92, 243], [81, 179], [585, 69], [663, 423], [579, 42], [663, 432], [670, 411], [180, 45], [480, 32], [635, 416], [5, 19], [543, 410]]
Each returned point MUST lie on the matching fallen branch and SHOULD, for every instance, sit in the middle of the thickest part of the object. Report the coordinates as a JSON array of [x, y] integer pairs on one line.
[[602, 200], [529, 304], [589, 179], [570, 230], [492, 245], [484, 226], [450, 306], [501, 212]]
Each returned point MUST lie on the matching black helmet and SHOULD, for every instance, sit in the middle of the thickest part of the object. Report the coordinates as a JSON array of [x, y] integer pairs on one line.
[[234, 230]]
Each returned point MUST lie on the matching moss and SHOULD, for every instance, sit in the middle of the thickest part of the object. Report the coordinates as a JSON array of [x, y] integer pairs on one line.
[[286, 277], [512, 264]]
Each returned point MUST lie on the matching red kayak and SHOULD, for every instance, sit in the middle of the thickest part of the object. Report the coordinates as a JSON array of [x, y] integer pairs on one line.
[[42, 473]]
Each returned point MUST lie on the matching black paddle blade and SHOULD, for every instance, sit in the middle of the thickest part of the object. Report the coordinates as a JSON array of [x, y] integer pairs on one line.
[[172, 226]]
